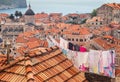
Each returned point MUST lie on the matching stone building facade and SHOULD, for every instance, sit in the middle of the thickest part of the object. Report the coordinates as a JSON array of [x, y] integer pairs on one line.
[[79, 39], [116, 33], [109, 12], [94, 22], [11, 29]]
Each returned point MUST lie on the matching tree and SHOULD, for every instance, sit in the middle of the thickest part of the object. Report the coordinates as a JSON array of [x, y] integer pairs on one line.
[[94, 13], [11, 17], [20, 14], [16, 13], [83, 21]]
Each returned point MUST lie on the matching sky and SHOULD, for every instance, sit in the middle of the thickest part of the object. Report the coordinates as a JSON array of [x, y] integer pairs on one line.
[[63, 6], [90, 3], [81, 2], [68, 5]]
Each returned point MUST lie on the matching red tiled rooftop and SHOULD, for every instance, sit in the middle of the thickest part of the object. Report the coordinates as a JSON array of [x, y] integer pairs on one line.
[[28, 34], [33, 44], [113, 5], [107, 29], [41, 15], [55, 14], [107, 36], [46, 66], [4, 15], [106, 45], [21, 40], [73, 15]]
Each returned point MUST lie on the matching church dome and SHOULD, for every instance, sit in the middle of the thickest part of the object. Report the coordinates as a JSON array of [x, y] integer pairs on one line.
[[29, 11]]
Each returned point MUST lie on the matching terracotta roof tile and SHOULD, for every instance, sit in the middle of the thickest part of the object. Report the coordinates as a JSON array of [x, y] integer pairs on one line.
[[73, 15], [49, 66], [104, 44], [55, 14], [28, 34], [21, 40], [113, 5], [108, 36], [41, 15], [106, 29], [32, 45], [117, 71], [4, 15]]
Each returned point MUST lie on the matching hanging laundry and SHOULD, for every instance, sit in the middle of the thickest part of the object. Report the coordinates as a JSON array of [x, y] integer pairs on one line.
[[109, 63], [94, 61], [82, 61], [102, 62], [97, 61], [79, 59], [70, 46], [70, 55], [82, 49], [63, 43], [50, 43], [65, 51], [76, 47], [54, 41]]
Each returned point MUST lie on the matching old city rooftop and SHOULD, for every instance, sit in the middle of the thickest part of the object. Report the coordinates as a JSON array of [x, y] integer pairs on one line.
[[113, 5], [48, 65]]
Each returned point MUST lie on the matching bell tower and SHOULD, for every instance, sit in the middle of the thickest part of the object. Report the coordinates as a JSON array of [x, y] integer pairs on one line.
[[29, 16]]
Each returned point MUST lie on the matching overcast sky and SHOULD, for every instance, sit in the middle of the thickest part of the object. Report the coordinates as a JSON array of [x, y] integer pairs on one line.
[[73, 2], [63, 6], [68, 5]]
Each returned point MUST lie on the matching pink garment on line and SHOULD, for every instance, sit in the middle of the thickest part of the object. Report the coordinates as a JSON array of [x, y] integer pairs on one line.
[[82, 49]]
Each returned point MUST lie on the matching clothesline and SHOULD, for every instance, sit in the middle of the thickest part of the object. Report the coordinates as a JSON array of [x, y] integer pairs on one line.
[[94, 61], [65, 44]]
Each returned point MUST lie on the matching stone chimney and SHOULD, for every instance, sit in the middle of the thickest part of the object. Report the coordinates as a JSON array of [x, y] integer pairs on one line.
[[7, 46]]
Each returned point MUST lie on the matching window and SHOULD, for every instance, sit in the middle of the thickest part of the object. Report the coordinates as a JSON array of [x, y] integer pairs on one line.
[[73, 39], [76, 39], [81, 40], [69, 39], [96, 23]]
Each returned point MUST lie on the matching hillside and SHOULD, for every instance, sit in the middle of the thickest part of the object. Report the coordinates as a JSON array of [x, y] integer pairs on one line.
[[7, 4]]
